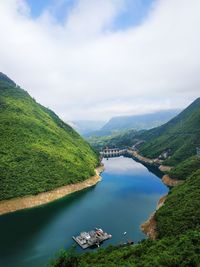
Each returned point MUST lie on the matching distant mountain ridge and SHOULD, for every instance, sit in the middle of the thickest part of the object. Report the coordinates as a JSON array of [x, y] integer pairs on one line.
[[176, 223], [86, 126], [38, 151], [179, 137], [135, 122]]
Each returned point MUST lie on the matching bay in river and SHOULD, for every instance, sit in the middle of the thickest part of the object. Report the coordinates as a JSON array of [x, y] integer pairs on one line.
[[127, 194]]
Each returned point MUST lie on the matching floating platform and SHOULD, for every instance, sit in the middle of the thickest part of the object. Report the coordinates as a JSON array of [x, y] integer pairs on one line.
[[92, 238]]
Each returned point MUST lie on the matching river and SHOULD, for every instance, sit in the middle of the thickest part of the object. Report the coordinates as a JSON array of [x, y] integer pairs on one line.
[[125, 197]]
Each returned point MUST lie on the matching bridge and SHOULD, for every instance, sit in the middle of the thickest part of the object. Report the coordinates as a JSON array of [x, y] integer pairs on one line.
[[112, 152]]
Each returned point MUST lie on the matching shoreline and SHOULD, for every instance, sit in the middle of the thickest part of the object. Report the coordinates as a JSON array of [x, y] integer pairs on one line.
[[142, 159], [167, 180], [15, 204], [149, 227]]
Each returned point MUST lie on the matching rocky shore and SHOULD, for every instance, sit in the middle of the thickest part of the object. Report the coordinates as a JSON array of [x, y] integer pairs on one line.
[[167, 180], [164, 168], [149, 227], [7, 206], [136, 155]]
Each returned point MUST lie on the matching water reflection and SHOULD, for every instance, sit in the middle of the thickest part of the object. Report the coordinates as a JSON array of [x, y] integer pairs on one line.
[[126, 196], [122, 165]]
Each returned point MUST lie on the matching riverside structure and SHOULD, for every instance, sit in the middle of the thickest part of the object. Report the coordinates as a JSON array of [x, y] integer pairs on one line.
[[92, 238], [112, 152]]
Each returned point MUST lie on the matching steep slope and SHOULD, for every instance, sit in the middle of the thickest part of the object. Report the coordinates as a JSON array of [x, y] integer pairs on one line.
[[39, 152], [167, 252], [178, 220], [180, 135], [181, 211], [178, 243]]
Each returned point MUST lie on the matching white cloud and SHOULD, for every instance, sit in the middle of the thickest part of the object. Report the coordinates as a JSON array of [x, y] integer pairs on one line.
[[81, 68]]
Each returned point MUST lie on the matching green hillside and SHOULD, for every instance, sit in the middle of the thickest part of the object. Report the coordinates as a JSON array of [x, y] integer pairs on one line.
[[166, 252], [181, 135], [178, 243], [186, 168], [181, 211], [135, 122], [178, 220], [121, 139], [38, 151]]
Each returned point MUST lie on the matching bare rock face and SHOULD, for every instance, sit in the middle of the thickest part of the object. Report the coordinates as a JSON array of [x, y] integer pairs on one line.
[[149, 227], [171, 182], [164, 168]]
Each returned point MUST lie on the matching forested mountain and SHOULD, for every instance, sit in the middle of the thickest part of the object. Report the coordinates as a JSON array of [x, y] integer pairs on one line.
[[135, 122], [178, 220], [86, 126], [178, 242], [180, 135], [38, 151], [140, 122]]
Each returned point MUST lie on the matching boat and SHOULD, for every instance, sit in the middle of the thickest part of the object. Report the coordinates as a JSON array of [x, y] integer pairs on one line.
[[92, 238]]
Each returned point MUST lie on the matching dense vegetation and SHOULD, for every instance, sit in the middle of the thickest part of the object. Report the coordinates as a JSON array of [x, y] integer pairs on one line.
[[178, 224], [180, 134], [121, 139], [38, 151], [181, 211], [178, 220], [178, 244], [185, 168], [169, 251]]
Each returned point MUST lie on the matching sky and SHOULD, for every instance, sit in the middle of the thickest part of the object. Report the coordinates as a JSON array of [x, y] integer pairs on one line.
[[95, 59]]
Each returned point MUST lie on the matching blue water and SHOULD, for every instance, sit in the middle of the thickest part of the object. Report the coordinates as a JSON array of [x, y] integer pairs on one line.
[[126, 196]]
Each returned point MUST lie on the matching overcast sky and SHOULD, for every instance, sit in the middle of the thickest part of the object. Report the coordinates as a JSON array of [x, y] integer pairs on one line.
[[94, 59]]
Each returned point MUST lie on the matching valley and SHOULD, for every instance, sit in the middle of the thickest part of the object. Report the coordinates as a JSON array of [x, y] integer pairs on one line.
[[121, 201], [44, 160]]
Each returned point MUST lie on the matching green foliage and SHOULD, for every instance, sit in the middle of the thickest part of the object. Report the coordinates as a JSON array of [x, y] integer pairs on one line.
[[183, 251], [38, 151], [178, 224], [178, 220], [64, 258], [122, 139], [180, 134], [181, 211], [185, 168]]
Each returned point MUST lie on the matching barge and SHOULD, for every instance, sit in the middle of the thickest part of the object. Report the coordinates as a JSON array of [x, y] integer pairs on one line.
[[91, 238]]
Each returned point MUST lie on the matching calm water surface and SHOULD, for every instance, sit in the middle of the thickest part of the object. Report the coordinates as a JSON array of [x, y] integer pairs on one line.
[[126, 196]]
